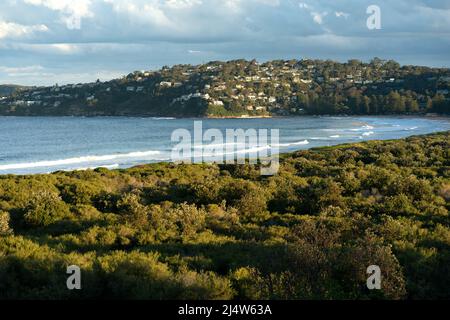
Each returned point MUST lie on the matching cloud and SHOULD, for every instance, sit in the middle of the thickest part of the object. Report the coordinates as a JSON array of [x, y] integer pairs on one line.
[[125, 35], [80, 8], [340, 14], [71, 12], [318, 17], [18, 70], [65, 48], [15, 30]]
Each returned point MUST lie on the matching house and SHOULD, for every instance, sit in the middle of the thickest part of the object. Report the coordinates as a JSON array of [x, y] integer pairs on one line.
[[165, 84], [220, 88], [31, 103], [217, 103]]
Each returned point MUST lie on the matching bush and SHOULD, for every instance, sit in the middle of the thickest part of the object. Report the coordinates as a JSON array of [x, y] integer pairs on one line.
[[4, 224], [45, 208]]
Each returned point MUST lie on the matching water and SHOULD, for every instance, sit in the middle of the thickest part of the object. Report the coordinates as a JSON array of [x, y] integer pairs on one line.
[[40, 145]]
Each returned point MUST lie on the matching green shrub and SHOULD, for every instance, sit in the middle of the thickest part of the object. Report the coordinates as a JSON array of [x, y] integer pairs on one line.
[[45, 208], [4, 224]]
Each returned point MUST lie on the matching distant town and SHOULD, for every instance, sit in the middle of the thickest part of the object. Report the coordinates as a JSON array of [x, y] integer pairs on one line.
[[243, 88]]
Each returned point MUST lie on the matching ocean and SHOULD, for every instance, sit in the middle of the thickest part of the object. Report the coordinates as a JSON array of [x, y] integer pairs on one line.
[[31, 145]]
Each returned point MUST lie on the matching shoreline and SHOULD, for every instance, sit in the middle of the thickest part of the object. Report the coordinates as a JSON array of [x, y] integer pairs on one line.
[[280, 154], [422, 115]]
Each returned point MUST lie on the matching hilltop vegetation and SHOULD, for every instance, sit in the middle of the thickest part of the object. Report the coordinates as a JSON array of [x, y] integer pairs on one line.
[[9, 89], [248, 88], [167, 231]]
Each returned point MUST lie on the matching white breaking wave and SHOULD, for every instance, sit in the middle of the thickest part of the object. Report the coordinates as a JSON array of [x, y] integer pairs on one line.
[[368, 134], [241, 146], [145, 155], [335, 137], [218, 145], [109, 166], [300, 143], [163, 118], [363, 128], [239, 151]]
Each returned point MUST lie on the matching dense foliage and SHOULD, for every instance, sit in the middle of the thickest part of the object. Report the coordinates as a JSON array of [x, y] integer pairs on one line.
[[9, 89], [225, 232], [248, 88]]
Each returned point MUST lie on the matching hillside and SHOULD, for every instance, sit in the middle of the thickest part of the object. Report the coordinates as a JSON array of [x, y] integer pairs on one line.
[[224, 232], [248, 88], [9, 89]]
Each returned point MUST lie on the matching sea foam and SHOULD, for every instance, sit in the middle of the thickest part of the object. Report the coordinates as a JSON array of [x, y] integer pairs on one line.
[[143, 155]]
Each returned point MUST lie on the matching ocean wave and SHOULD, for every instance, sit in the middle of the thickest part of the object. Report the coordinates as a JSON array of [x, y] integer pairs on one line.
[[363, 128], [239, 151], [163, 118], [335, 137], [368, 134], [300, 143], [217, 145], [144, 155], [107, 166], [240, 146], [335, 130], [246, 150], [252, 150]]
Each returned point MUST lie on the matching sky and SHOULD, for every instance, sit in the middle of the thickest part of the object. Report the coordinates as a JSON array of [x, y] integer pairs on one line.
[[43, 42]]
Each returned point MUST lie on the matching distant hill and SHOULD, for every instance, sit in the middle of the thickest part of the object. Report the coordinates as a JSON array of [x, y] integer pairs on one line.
[[8, 89], [247, 88]]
